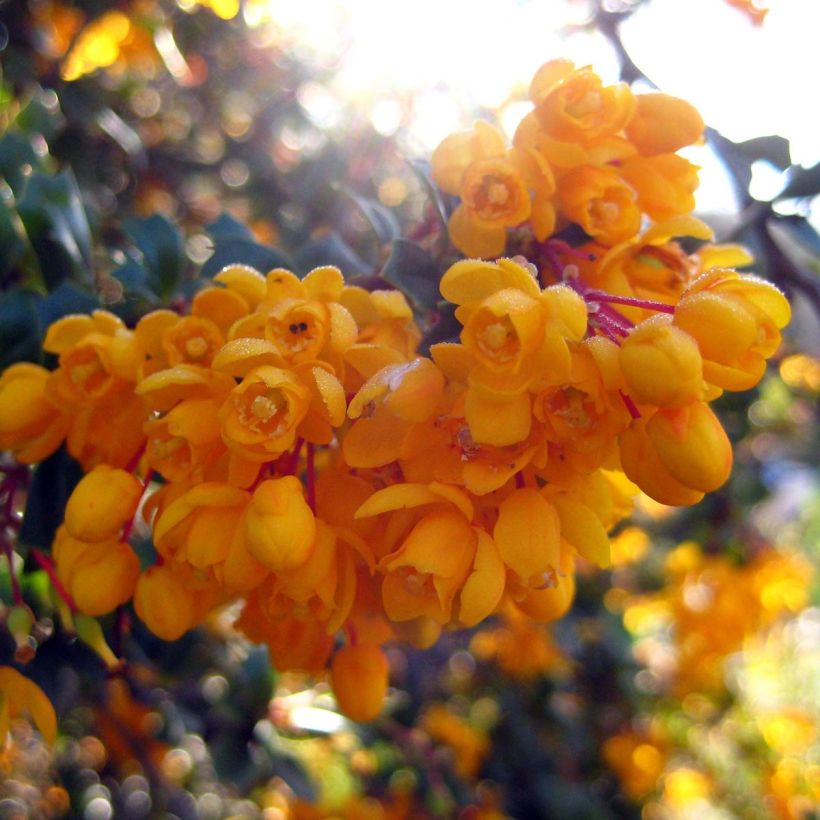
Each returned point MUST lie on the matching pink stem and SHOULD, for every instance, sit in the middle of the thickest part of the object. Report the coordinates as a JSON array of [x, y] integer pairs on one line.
[[45, 564], [647, 304], [135, 459], [630, 405], [16, 594]]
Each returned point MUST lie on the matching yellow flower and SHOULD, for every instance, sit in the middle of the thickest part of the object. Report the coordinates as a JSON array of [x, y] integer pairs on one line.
[[20, 696], [494, 195], [30, 423], [98, 357], [359, 676], [203, 528], [601, 202], [692, 445], [185, 442], [260, 417], [386, 408], [573, 105], [279, 525], [192, 340], [665, 184], [527, 533]]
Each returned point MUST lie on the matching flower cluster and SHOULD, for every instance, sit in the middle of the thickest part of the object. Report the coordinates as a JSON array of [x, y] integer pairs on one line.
[[593, 155], [349, 491]]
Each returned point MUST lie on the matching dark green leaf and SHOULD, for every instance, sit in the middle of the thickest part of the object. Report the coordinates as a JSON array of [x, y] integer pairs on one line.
[[445, 329], [137, 281], [381, 219], [62, 301], [803, 182], [773, 148], [53, 482], [801, 231], [17, 160], [57, 226], [414, 271], [19, 327], [162, 248], [228, 227], [330, 249], [12, 246], [236, 251]]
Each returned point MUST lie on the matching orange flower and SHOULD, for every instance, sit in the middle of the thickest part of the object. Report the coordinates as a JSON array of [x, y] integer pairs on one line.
[[601, 202], [387, 407], [30, 423], [665, 184], [101, 503], [475, 166], [260, 417], [573, 105]]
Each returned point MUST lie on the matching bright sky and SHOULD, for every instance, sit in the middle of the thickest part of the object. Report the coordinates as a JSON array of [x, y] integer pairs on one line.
[[747, 81]]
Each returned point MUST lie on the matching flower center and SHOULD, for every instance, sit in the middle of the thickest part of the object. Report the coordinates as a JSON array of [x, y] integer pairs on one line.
[[196, 347], [604, 211]]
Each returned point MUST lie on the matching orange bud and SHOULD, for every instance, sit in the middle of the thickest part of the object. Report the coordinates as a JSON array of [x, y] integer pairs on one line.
[[661, 364], [692, 445], [164, 604], [101, 503], [359, 676], [279, 525], [663, 124]]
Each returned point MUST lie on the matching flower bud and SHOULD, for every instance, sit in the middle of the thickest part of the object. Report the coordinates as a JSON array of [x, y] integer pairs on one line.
[[661, 364], [101, 503], [692, 445], [359, 676], [279, 525], [163, 604]]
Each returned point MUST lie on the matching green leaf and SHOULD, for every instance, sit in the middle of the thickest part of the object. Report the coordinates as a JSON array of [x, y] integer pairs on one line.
[[163, 251], [57, 226], [234, 250], [41, 115], [53, 482], [19, 327], [414, 271], [330, 249]]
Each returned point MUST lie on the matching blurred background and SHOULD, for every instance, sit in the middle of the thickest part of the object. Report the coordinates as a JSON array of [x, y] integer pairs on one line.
[[685, 682]]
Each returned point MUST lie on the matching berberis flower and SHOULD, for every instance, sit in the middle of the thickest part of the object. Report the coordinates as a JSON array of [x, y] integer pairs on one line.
[[348, 490]]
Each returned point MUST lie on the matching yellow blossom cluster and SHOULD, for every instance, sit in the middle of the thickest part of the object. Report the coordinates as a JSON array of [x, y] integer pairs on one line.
[[593, 155], [348, 490]]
